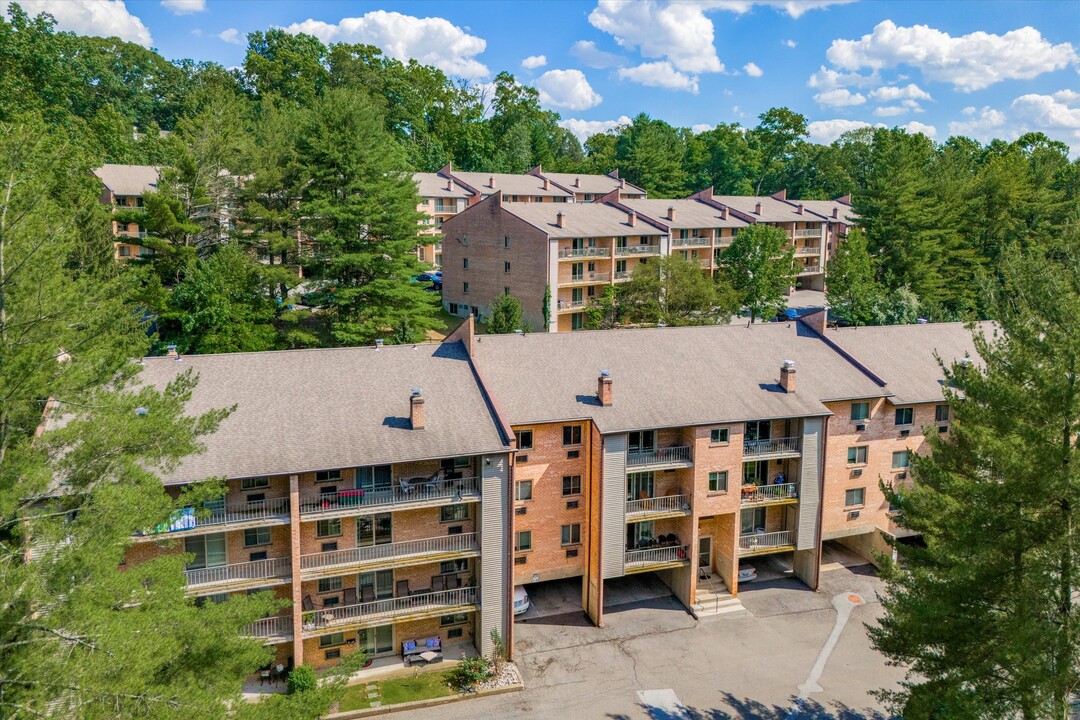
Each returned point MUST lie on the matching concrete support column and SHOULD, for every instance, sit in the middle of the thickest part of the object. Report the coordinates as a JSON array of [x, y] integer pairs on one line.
[[294, 555]]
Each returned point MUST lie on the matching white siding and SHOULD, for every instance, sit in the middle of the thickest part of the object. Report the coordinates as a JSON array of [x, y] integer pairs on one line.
[[613, 509]]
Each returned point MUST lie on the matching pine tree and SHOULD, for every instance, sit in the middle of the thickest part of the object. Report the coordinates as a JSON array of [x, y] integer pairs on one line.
[[505, 315], [851, 291], [761, 268]]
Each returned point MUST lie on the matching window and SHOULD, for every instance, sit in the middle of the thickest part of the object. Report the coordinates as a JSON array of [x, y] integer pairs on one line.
[[577, 321], [449, 567], [506, 267], [642, 441], [328, 528], [718, 481], [125, 251], [571, 485], [259, 483], [332, 640], [904, 416], [854, 497], [465, 263], [941, 413], [454, 633], [328, 585], [453, 309], [860, 411], [209, 550], [506, 290], [571, 435], [256, 536], [571, 534], [900, 460], [374, 530], [718, 436], [328, 476], [464, 239], [524, 439], [523, 541], [523, 491], [506, 241], [455, 619], [856, 455], [328, 547], [465, 288], [453, 513]]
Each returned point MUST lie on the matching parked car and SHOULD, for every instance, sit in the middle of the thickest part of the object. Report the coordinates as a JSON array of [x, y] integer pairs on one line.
[[318, 298], [786, 314], [521, 600]]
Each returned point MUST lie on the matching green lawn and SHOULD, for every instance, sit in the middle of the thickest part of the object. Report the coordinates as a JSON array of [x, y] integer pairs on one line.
[[422, 686]]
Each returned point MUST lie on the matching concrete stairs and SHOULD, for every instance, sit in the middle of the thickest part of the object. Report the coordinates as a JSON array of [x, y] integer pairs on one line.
[[713, 599]]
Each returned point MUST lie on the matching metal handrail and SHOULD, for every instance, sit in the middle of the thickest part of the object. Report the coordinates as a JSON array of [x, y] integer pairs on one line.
[[255, 570], [648, 556], [666, 503], [277, 626], [638, 250], [329, 617], [622, 274], [691, 242], [352, 556], [765, 541], [658, 457], [808, 232], [589, 277], [584, 252], [774, 445], [807, 269], [404, 492], [768, 493], [808, 250], [189, 518]]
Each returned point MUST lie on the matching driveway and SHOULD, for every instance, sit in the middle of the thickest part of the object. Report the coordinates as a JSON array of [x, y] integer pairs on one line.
[[795, 655]]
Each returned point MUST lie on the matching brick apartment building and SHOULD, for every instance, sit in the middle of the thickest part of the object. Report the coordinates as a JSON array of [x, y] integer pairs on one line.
[[123, 187], [407, 501]]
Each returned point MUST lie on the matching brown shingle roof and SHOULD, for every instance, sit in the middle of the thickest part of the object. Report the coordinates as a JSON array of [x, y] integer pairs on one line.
[[510, 184], [435, 185], [580, 220], [689, 213], [129, 179]]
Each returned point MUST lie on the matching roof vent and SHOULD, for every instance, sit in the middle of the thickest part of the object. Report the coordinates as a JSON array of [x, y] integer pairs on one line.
[[577, 182], [519, 331], [491, 181], [836, 212], [379, 343], [921, 321]]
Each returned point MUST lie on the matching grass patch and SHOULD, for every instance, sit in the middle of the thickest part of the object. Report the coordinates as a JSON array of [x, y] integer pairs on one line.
[[420, 686]]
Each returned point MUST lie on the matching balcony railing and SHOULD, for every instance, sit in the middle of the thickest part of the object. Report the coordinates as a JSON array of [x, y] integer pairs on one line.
[[589, 277], [570, 304], [663, 456], [405, 493], [765, 541], [665, 504], [191, 519], [656, 556], [756, 494], [706, 263], [809, 269], [622, 274], [256, 570], [270, 627], [584, 252], [464, 542], [809, 232], [691, 242], [808, 250], [775, 446], [378, 610], [638, 250]]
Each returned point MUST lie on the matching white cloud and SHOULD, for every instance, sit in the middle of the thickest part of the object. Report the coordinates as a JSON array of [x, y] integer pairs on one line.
[[660, 74], [1050, 113], [101, 18], [676, 32], [827, 79], [582, 129], [567, 89], [794, 8], [891, 110], [431, 41], [984, 125], [892, 93], [753, 70], [592, 56], [701, 127], [825, 132], [184, 7], [840, 97], [969, 62], [969, 110], [789, 43], [231, 36], [915, 127], [534, 61]]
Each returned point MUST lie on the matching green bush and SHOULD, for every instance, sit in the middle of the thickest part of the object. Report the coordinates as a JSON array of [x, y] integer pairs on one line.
[[302, 679], [469, 673]]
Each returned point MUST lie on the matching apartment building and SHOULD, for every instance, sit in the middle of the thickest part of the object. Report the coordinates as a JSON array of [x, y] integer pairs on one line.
[[588, 188], [123, 187], [700, 231], [841, 217], [370, 487], [440, 198]]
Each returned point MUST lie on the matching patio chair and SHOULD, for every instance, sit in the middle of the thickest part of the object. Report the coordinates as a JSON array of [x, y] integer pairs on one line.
[[438, 583], [307, 604], [367, 594], [350, 597], [401, 589]]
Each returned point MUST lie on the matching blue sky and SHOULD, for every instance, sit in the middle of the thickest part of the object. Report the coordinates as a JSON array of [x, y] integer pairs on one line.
[[983, 69]]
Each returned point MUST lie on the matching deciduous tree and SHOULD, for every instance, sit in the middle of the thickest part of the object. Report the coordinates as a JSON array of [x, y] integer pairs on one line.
[[760, 268]]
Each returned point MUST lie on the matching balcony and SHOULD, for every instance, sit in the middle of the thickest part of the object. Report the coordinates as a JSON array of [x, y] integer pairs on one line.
[[131, 234], [706, 263], [638, 250], [259, 573], [399, 554], [807, 233], [809, 269], [381, 612], [587, 252], [773, 448], [589, 278], [660, 558], [657, 507], [571, 305], [808, 250], [403, 496], [622, 275], [662, 459], [765, 543], [188, 521], [784, 493], [273, 630], [691, 242]]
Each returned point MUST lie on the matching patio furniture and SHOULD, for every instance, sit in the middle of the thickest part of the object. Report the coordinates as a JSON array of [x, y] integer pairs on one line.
[[428, 650], [307, 604], [264, 676], [350, 596], [350, 497], [401, 589], [438, 583], [367, 594]]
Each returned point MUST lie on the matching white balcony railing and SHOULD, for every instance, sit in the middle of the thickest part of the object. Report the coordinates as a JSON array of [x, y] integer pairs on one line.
[[464, 542], [765, 541], [638, 250], [270, 627], [255, 570], [691, 242], [705, 263], [570, 304], [756, 494], [809, 232], [588, 278], [808, 250], [809, 269], [774, 446], [622, 274], [191, 519], [404, 493], [665, 504], [388, 608], [584, 252], [663, 456], [655, 556]]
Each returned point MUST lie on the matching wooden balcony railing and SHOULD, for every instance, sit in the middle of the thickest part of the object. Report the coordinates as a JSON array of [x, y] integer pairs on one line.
[[464, 542]]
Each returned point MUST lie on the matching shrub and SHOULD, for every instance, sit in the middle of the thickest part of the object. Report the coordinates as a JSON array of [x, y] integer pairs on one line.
[[469, 673], [302, 679]]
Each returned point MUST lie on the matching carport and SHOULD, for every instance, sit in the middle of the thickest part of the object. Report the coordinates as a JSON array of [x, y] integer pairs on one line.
[[559, 601]]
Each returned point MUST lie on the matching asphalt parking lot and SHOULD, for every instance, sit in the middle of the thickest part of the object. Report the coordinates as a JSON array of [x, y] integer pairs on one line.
[[792, 655]]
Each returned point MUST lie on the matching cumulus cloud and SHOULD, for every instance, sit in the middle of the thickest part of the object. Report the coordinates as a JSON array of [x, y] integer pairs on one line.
[[969, 62], [101, 18], [892, 93], [660, 74], [432, 40], [789, 43], [840, 97], [753, 70], [231, 36], [701, 127], [915, 127], [794, 8], [825, 132], [828, 79], [984, 124], [534, 61], [1052, 114], [679, 33], [890, 110], [583, 129], [567, 89], [591, 56], [184, 7]]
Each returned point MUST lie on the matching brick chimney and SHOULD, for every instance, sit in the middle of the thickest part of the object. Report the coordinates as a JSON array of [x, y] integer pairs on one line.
[[836, 213], [171, 352], [723, 213], [547, 184], [631, 219], [577, 182], [622, 183], [491, 181], [671, 213], [416, 409], [787, 376], [757, 209], [603, 388], [799, 208], [560, 220], [449, 185]]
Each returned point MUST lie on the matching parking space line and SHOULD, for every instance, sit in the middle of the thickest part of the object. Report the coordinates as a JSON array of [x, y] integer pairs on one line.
[[844, 604]]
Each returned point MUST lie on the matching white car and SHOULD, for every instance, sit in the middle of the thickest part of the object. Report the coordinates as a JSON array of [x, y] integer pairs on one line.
[[521, 600]]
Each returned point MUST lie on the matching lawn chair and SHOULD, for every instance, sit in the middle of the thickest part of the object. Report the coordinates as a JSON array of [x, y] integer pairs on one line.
[[307, 604], [402, 589], [350, 597], [438, 583], [367, 594]]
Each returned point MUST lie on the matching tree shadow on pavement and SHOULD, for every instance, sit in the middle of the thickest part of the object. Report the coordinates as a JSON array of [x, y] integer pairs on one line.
[[746, 709]]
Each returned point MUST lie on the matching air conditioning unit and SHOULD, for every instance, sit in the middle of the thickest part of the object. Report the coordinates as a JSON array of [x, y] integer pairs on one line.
[[571, 504], [521, 510], [901, 476], [905, 433], [520, 560], [943, 429], [853, 515], [522, 458], [856, 472], [860, 427], [571, 553]]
